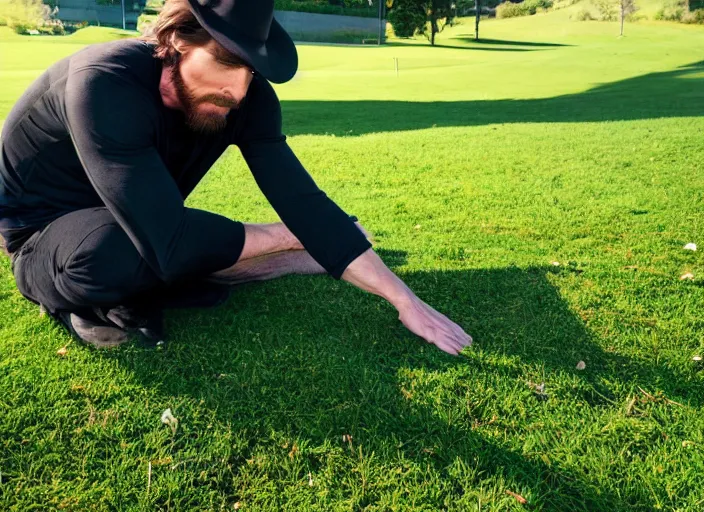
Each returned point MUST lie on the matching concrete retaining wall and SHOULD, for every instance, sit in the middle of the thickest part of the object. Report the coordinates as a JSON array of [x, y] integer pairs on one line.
[[302, 26], [96, 14]]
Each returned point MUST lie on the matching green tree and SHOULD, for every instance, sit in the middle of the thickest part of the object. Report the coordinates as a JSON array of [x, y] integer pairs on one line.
[[406, 17], [427, 17]]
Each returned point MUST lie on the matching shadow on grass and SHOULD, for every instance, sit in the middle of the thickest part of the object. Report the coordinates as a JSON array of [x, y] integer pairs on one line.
[[677, 93], [471, 48], [313, 359], [484, 49], [503, 42]]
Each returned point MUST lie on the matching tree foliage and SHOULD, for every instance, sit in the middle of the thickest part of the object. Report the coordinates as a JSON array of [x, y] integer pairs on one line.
[[427, 17]]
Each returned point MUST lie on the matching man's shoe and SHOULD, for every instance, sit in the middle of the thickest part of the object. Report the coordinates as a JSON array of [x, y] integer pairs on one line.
[[93, 332], [149, 322]]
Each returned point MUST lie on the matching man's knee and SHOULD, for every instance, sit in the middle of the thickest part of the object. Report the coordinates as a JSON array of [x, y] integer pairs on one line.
[[104, 269]]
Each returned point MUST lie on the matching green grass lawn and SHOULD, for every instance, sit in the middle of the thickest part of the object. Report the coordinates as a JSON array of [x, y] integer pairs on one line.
[[477, 167]]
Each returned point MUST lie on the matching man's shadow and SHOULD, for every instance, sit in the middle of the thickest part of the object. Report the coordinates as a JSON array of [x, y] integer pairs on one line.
[[309, 357]]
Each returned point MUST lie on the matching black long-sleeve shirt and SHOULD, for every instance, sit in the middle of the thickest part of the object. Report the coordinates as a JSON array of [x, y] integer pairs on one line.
[[93, 131]]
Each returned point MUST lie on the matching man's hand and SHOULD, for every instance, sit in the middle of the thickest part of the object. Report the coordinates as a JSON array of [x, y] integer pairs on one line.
[[434, 327], [369, 273]]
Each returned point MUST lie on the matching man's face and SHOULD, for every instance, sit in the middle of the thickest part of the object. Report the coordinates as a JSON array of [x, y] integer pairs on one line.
[[209, 84]]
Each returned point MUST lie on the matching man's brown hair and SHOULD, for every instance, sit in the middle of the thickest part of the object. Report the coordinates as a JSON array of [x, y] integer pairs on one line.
[[176, 24]]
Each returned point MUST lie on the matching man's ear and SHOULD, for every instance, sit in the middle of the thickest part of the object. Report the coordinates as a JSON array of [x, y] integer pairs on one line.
[[180, 46]]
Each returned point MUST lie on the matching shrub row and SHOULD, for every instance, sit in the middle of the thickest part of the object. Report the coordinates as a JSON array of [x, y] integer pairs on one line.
[[525, 8], [677, 11], [31, 17]]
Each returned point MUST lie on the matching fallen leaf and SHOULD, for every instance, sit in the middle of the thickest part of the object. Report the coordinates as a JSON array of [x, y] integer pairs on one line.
[[167, 418], [688, 276], [62, 351], [685, 444], [555, 263], [697, 358], [690, 247], [417, 226], [581, 365], [520, 499], [236, 506], [293, 452], [310, 479]]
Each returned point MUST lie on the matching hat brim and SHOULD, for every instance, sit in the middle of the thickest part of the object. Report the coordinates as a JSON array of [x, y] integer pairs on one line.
[[276, 59]]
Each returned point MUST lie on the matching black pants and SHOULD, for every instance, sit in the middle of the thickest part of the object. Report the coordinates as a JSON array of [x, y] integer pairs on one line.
[[85, 260]]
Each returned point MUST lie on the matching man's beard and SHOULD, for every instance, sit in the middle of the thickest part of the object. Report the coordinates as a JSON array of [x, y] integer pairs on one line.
[[197, 122]]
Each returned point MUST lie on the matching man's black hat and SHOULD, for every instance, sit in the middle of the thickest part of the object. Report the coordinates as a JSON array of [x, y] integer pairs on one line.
[[248, 29]]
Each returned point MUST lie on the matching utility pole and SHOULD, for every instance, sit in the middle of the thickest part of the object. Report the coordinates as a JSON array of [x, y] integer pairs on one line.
[[381, 21]]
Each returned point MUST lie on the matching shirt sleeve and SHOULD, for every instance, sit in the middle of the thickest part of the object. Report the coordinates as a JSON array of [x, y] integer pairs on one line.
[[112, 122], [323, 228]]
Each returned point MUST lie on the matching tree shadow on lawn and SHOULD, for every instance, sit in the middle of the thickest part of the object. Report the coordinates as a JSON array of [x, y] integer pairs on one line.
[[314, 359], [676, 93], [472, 48], [469, 38]]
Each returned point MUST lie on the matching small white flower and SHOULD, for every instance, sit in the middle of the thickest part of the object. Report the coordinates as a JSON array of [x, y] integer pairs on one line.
[[690, 247]]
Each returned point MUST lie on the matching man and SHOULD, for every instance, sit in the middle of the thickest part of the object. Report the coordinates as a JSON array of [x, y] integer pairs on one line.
[[98, 155]]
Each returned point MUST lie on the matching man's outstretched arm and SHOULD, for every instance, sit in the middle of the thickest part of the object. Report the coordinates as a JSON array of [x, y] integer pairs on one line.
[[369, 273]]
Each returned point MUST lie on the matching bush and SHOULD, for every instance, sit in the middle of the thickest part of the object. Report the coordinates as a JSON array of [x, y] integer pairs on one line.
[[525, 8], [21, 27], [672, 11], [25, 15], [542, 4], [145, 21], [607, 10], [696, 16], [511, 10], [585, 15], [52, 28]]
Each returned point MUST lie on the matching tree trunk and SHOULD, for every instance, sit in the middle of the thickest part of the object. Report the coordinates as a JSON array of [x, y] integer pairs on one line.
[[433, 29], [623, 14], [476, 23]]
